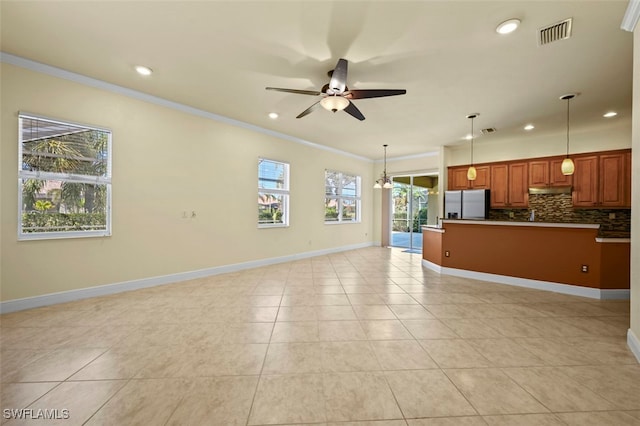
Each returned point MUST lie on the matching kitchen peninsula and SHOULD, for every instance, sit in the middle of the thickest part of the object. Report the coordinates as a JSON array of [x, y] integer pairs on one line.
[[562, 257]]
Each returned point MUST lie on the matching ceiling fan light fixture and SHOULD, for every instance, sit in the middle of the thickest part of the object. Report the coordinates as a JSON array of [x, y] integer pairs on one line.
[[508, 26], [334, 103]]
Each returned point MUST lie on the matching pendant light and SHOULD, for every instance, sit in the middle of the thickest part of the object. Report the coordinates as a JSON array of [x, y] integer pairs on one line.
[[567, 166], [472, 173], [384, 181]]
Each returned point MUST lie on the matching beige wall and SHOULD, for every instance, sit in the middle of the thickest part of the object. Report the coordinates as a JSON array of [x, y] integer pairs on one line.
[[610, 134], [635, 196], [165, 162]]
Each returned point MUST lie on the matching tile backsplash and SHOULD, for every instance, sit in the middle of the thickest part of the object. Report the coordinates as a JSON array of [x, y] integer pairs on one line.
[[559, 208]]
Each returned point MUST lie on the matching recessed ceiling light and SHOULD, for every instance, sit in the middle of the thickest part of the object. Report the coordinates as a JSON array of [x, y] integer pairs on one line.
[[509, 26], [273, 115], [142, 70], [467, 138], [529, 127], [610, 114]]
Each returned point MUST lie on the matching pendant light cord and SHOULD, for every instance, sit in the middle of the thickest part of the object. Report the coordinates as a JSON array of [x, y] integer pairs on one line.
[[472, 140], [385, 165], [568, 100]]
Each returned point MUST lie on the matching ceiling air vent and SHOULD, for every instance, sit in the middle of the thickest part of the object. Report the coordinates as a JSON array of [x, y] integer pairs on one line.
[[558, 31], [488, 131]]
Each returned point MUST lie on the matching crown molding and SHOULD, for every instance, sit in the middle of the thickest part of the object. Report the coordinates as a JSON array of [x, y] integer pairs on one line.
[[631, 16], [21, 62], [410, 157]]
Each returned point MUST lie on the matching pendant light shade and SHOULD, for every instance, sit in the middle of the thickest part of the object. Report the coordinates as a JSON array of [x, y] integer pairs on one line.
[[472, 173], [567, 167], [384, 181]]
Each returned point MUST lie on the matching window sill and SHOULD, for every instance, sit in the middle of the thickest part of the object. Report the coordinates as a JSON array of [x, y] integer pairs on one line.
[[272, 226], [61, 235], [344, 222]]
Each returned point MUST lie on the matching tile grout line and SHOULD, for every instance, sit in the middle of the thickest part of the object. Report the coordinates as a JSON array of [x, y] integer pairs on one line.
[[266, 353]]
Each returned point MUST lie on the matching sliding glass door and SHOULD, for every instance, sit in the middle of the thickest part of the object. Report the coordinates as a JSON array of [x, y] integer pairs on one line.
[[409, 198]]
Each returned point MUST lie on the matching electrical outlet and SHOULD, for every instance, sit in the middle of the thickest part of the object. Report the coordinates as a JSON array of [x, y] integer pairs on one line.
[[612, 215], [511, 215], [447, 253], [585, 268]]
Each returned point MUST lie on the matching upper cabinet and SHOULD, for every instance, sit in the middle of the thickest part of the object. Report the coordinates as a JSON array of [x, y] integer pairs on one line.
[[546, 173], [458, 178], [603, 181], [627, 179], [509, 185], [556, 178], [585, 181], [612, 186]]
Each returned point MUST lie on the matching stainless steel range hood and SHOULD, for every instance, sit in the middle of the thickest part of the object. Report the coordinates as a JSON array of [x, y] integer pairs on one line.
[[551, 190]]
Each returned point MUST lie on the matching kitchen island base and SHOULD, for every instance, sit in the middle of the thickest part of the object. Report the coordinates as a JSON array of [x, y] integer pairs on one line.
[[561, 257]]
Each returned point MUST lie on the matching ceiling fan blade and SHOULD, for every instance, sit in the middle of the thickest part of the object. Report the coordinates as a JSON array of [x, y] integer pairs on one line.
[[373, 93], [299, 92], [338, 80], [354, 111], [309, 110]]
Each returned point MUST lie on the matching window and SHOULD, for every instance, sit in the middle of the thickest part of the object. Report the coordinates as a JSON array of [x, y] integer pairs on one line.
[[273, 193], [342, 197], [65, 179]]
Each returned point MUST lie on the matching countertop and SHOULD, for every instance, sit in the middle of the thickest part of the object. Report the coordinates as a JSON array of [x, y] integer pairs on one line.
[[605, 235], [514, 223]]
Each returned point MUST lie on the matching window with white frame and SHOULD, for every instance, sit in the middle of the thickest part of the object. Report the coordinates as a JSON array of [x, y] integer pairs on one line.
[[64, 179], [273, 193], [342, 197]]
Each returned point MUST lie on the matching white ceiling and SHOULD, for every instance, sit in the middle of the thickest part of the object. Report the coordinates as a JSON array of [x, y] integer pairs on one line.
[[219, 57]]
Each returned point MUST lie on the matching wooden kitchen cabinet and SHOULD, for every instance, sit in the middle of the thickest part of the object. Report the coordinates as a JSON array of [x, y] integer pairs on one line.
[[627, 179], [556, 178], [509, 185], [483, 178], [585, 181], [612, 180], [518, 188], [539, 174], [458, 178], [602, 181], [547, 173]]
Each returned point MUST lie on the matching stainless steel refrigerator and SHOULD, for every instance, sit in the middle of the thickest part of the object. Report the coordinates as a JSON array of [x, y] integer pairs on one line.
[[467, 204]]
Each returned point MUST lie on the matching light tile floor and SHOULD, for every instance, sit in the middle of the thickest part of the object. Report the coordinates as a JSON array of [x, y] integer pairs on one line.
[[365, 337]]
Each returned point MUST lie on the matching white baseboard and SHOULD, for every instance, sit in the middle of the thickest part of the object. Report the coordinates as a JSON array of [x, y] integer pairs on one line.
[[574, 290], [432, 266], [103, 290], [634, 344]]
